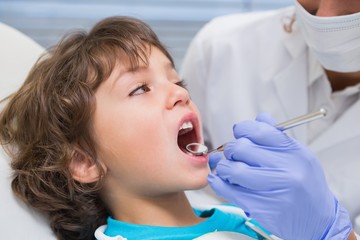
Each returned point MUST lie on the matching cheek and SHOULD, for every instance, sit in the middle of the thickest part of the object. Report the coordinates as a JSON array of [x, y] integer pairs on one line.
[[128, 137]]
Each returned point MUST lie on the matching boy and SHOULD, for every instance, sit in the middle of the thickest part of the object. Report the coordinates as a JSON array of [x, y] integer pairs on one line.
[[97, 135]]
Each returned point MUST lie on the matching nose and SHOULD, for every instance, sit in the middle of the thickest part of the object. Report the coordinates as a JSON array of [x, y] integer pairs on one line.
[[177, 95]]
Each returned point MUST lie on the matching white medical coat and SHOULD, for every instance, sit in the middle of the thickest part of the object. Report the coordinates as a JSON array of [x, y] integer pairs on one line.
[[240, 65]]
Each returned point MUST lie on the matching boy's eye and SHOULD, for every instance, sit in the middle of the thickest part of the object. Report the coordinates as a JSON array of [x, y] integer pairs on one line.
[[140, 90]]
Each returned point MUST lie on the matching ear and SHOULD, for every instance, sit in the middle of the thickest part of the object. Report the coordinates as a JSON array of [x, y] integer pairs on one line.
[[83, 168]]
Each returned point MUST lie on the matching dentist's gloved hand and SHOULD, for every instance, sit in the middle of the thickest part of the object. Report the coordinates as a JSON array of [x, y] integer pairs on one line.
[[278, 182]]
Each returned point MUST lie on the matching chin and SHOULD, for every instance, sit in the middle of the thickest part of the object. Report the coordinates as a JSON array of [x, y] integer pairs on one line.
[[198, 183]]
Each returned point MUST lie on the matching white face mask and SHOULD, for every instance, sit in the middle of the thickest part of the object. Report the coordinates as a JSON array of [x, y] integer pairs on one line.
[[334, 40]]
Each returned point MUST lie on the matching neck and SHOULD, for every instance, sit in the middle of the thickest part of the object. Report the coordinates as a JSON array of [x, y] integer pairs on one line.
[[170, 210], [340, 81]]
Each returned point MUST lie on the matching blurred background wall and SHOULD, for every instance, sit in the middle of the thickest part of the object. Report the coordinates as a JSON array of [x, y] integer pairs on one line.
[[175, 21]]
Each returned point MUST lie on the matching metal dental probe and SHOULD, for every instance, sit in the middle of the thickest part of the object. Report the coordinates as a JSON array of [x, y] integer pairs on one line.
[[199, 149]]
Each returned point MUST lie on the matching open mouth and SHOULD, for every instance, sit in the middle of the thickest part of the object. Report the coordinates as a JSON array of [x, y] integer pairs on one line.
[[186, 135]]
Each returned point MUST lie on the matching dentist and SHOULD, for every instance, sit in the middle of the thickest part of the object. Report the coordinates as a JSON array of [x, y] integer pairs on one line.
[[288, 62]]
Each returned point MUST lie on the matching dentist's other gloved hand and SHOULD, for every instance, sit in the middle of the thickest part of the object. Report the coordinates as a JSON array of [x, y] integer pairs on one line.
[[278, 182]]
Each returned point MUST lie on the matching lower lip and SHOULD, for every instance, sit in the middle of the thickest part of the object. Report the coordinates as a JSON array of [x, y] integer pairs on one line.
[[199, 160]]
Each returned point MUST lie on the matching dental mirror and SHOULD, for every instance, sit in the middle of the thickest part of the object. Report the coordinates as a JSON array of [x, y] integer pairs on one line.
[[198, 149]]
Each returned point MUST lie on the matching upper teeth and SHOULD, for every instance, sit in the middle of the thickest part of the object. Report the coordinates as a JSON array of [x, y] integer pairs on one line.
[[185, 127]]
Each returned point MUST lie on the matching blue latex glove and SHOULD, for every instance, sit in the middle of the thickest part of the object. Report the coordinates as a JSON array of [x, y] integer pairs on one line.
[[278, 182]]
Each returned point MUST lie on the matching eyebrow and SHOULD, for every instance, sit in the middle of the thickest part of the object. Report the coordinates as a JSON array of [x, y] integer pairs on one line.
[[170, 65]]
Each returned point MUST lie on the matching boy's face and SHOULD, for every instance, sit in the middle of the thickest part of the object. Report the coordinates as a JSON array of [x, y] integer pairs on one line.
[[136, 126]]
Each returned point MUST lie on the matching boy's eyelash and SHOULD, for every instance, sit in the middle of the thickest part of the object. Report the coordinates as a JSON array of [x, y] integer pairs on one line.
[[145, 87], [140, 86], [182, 84]]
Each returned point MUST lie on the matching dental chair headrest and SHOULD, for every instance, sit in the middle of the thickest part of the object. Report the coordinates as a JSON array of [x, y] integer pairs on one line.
[[17, 55]]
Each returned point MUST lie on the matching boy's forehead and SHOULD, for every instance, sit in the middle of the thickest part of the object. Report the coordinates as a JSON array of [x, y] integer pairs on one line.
[[154, 58]]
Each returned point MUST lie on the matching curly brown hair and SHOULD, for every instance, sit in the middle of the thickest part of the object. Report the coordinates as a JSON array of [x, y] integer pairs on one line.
[[49, 117]]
